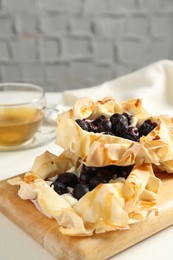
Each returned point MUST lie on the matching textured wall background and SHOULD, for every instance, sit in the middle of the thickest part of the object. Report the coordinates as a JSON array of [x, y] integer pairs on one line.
[[65, 44]]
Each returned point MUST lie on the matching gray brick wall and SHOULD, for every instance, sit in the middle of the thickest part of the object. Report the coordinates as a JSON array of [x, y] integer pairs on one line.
[[66, 44]]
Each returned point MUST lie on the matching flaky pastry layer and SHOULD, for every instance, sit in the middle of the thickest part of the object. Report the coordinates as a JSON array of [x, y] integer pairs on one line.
[[99, 149], [109, 207]]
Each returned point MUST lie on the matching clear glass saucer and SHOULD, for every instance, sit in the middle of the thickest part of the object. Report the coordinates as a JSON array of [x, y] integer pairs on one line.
[[46, 135]]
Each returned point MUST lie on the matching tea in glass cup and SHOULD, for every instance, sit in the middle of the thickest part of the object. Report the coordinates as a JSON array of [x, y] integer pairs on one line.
[[21, 112]]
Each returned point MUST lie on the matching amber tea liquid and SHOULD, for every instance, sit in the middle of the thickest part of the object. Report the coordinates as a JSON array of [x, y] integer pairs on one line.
[[18, 125]]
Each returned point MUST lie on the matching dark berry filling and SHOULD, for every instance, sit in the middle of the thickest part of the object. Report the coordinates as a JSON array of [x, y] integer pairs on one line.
[[88, 179], [117, 125], [83, 124], [80, 190], [63, 181], [146, 127]]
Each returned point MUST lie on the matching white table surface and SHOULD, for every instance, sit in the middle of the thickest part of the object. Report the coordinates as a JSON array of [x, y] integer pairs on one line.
[[17, 245]]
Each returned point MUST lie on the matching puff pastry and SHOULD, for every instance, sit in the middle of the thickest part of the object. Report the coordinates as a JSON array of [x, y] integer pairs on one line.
[[110, 206], [99, 149]]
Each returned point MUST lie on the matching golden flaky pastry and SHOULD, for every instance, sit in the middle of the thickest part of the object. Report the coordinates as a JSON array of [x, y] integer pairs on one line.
[[119, 202], [109, 207], [98, 149]]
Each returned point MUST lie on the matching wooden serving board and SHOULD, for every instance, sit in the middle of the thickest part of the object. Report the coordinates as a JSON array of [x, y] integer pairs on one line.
[[45, 231]]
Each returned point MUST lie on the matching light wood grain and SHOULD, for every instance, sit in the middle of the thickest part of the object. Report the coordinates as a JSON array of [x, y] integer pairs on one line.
[[45, 231]]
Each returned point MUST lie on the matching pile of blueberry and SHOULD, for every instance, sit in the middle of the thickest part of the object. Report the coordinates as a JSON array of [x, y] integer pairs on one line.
[[117, 125], [89, 178]]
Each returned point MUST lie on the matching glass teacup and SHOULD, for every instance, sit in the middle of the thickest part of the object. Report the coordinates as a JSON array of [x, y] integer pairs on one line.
[[22, 110]]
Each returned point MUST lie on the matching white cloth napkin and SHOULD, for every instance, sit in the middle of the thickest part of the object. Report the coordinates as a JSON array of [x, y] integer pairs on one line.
[[154, 84]]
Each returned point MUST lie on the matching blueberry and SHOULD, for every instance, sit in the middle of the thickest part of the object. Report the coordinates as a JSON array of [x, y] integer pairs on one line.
[[146, 127], [105, 173], [87, 173], [84, 177], [96, 181], [105, 126], [59, 187], [116, 116], [90, 169], [129, 136], [114, 169], [99, 120], [69, 179], [134, 131], [92, 127], [124, 171], [80, 190], [119, 124], [129, 117], [83, 124]]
